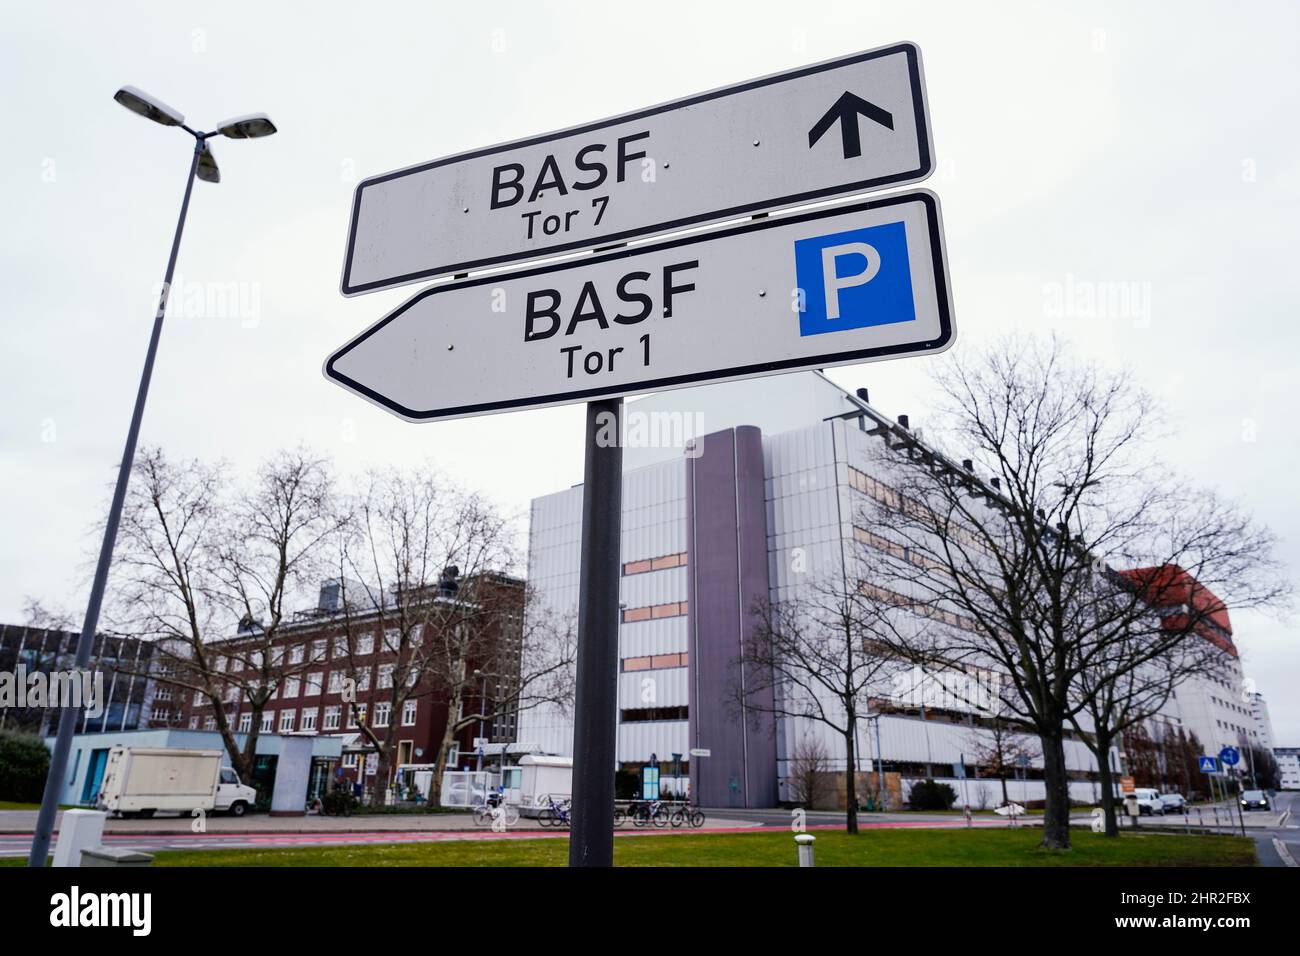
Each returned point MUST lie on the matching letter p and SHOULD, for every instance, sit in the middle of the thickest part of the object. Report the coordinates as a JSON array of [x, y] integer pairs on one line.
[[833, 283]]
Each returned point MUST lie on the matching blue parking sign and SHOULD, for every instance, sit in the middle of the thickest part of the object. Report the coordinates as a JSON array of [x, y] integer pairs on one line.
[[854, 279]]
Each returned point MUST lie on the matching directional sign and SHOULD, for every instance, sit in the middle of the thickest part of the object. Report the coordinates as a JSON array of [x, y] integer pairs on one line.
[[1229, 756], [701, 752], [1208, 764], [834, 128], [849, 284]]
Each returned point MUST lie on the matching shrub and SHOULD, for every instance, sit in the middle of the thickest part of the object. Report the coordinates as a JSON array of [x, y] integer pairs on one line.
[[928, 795], [24, 765]]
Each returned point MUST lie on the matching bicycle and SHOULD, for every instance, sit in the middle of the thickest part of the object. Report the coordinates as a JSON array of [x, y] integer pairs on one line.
[[648, 812], [557, 813], [687, 815], [487, 814]]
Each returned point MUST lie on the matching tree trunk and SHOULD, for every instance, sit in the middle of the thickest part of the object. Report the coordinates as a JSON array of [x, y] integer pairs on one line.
[[440, 762], [851, 777], [1107, 781], [1005, 798], [1056, 812]]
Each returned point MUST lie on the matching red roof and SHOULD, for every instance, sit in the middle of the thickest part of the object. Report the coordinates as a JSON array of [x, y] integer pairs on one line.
[[1168, 585]]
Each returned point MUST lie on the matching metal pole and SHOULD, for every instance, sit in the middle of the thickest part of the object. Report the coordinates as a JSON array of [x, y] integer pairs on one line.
[[68, 716], [880, 764], [595, 728]]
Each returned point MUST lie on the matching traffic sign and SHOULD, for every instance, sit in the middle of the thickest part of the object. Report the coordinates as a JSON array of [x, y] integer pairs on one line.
[[849, 284], [701, 752], [1229, 756], [842, 126], [1208, 764]]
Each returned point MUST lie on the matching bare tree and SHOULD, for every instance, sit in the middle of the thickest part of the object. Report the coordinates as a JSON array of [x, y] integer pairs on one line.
[[1017, 572], [816, 655], [196, 555], [462, 632], [1001, 748], [810, 767]]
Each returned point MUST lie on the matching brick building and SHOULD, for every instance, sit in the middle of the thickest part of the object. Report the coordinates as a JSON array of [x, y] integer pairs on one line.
[[335, 650]]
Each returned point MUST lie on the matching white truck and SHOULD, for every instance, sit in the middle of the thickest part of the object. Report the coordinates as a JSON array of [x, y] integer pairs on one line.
[[140, 781]]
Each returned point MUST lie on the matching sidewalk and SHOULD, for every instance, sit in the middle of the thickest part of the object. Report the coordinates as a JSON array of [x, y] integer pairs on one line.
[[23, 823]]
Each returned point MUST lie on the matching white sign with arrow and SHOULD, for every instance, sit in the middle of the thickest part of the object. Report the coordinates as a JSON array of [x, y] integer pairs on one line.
[[810, 290], [843, 126]]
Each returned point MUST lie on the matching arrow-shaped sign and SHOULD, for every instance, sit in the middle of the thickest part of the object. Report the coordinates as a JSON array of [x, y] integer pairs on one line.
[[789, 292], [718, 155], [845, 111]]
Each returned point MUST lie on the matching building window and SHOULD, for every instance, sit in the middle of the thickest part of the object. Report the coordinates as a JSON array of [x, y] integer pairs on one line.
[[286, 721], [645, 714], [656, 564], [331, 718], [198, 698], [408, 713], [392, 639], [318, 651], [296, 654], [268, 721], [358, 715], [382, 711], [336, 682], [363, 679], [654, 612], [194, 723], [162, 716], [291, 686], [313, 684], [164, 692], [209, 723], [385, 676], [655, 662], [308, 719], [366, 644], [340, 646], [246, 722]]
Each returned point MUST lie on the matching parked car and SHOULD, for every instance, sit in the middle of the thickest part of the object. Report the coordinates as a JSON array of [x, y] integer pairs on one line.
[[461, 794], [1255, 800], [1149, 801], [1174, 802]]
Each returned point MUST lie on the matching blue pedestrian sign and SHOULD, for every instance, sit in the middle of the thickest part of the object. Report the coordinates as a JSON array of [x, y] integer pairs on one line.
[[1209, 764], [1229, 756]]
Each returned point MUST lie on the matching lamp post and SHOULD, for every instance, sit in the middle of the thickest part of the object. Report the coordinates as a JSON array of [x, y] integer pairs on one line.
[[203, 166]]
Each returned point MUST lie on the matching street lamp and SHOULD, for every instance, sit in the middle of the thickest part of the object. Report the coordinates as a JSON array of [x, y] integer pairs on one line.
[[204, 166]]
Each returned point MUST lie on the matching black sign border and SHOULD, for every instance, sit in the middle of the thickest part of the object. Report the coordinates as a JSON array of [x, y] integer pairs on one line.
[[925, 168], [942, 289]]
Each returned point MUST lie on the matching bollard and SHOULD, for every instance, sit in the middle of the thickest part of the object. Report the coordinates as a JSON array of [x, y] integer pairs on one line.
[[805, 843], [78, 829]]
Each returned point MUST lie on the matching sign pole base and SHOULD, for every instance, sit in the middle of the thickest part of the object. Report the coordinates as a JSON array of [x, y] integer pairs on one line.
[[595, 731]]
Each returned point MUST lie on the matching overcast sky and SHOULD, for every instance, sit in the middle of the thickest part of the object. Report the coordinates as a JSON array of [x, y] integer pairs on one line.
[[1149, 152]]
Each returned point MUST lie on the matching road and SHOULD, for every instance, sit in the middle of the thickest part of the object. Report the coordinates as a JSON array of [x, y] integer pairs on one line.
[[1280, 828], [256, 832]]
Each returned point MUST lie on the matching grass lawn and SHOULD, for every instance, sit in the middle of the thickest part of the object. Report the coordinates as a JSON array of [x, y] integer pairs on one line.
[[1018, 847], [15, 805]]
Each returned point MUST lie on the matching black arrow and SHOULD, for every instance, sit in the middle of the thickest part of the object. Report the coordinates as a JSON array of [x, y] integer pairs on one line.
[[845, 111]]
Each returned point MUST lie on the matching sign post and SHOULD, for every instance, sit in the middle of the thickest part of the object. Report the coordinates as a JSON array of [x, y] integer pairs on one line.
[[781, 293], [596, 701]]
